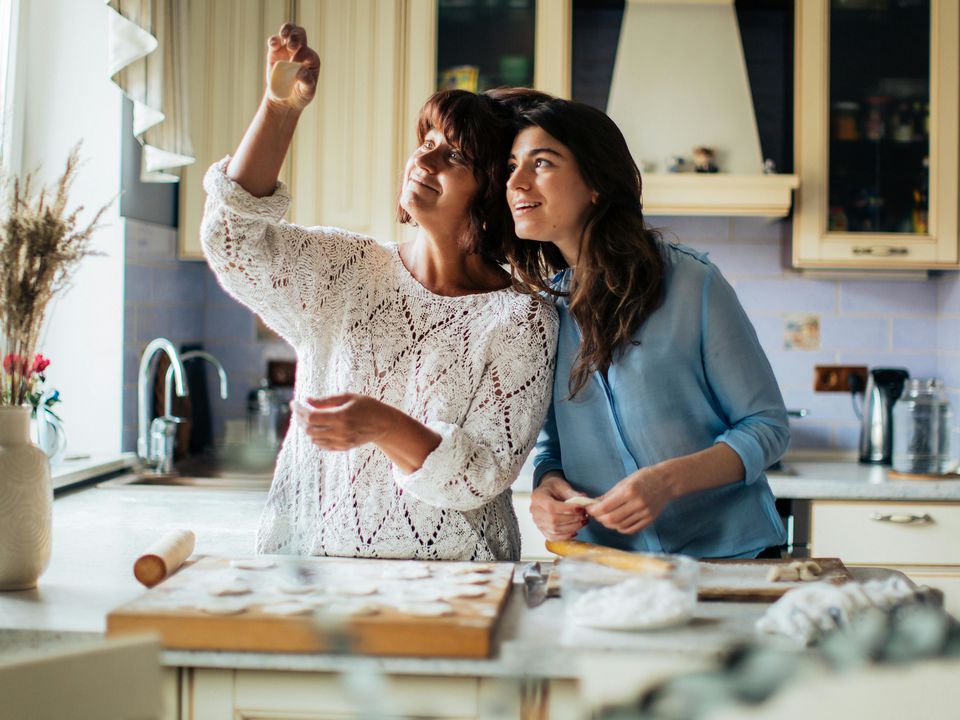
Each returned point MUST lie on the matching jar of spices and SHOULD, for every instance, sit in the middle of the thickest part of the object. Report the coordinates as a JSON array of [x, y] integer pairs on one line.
[[875, 119], [845, 120]]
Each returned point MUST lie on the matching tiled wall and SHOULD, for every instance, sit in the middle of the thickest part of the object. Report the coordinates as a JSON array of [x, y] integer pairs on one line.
[[180, 300], [907, 323]]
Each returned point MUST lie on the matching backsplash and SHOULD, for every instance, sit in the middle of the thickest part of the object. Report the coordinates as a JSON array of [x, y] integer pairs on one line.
[[906, 323]]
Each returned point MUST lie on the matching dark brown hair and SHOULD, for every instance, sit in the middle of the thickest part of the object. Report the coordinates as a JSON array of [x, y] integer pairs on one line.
[[619, 279], [479, 128]]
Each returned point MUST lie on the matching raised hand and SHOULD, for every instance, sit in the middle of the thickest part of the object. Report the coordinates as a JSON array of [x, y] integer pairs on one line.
[[289, 86]]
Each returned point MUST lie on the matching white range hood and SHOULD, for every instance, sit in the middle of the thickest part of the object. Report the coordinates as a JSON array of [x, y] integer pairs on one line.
[[679, 81]]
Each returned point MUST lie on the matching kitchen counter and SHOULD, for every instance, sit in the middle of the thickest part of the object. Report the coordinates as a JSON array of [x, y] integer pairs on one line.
[[850, 480], [98, 532]]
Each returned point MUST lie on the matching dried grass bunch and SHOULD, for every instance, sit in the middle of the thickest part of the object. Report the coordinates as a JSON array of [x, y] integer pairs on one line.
[[41, 246]]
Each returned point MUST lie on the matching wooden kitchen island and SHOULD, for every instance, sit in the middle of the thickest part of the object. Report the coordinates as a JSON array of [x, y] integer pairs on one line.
[[539, 668]]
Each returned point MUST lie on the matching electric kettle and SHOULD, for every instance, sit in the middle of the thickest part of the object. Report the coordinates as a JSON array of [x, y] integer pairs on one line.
[[884, 386]]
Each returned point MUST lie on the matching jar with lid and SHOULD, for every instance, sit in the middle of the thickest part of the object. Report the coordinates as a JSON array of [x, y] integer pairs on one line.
[[947, 462], [916, 426]]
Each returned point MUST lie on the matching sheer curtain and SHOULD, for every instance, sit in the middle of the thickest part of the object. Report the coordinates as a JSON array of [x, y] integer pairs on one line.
[[149, 61]]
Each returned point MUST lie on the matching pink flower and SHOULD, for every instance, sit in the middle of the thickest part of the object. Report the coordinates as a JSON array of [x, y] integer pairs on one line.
[[10, 362], [40, 364]]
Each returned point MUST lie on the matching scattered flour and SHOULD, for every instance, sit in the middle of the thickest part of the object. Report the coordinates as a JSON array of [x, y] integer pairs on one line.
[[635, 604]]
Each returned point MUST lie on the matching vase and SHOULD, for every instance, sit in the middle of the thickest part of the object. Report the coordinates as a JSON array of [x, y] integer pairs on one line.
[[26, 502]]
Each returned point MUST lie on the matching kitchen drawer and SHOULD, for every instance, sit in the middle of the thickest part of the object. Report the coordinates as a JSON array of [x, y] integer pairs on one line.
[[886, 533]]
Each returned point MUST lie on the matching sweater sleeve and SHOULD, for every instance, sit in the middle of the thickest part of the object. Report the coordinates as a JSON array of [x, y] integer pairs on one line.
[[288, 274], [479, 459], [742, 380]]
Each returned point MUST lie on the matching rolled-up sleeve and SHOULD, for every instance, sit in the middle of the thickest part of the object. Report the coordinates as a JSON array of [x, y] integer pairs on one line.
[[479, 458], [741, 380]]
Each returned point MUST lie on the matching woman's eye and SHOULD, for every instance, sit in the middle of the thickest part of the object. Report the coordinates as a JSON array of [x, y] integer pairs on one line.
[[541, 162], [457, 156], [511, 167]]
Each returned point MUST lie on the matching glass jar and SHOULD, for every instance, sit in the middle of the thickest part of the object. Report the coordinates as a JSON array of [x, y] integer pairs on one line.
[[916, 426], [946, 427]]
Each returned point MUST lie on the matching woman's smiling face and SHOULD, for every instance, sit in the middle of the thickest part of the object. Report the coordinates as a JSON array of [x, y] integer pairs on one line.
[[438, 182], [548, 197]]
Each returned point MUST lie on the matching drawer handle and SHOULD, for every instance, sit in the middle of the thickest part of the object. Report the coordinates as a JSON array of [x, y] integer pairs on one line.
[[903, 518], [880, 250]]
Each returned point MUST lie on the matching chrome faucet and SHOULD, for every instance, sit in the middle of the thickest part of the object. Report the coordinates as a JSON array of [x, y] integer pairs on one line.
[[156, 446], [190, 355]]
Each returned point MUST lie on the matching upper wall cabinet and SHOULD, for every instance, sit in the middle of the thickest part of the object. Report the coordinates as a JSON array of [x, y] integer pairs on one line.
[[878, 85]]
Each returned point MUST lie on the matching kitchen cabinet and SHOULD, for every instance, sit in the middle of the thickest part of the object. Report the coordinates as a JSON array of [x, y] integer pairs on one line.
[[917, 538], [278, 695], [876, 146]]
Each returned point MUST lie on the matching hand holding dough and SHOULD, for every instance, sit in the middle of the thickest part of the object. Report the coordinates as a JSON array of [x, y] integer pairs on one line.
[[283, 78], [580, 500]]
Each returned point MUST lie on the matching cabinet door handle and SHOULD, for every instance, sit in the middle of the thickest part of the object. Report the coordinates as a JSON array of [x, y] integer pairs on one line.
[[903, 518], [880, 250]]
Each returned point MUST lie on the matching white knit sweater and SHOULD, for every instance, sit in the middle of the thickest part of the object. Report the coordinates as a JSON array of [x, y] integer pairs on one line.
[[475, 369]]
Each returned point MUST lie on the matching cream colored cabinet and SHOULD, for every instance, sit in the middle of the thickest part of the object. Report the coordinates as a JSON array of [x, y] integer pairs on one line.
[[364, 692], [344, 165], [876, 135], [920, 539]]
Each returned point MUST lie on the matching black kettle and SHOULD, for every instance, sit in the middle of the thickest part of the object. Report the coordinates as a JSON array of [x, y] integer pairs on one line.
[[884, 386]]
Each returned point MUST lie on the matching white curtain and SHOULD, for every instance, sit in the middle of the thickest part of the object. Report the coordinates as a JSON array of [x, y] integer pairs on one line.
[[148, 60]]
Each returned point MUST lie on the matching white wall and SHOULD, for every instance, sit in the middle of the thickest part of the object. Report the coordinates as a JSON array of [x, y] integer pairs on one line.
[[68, 98]]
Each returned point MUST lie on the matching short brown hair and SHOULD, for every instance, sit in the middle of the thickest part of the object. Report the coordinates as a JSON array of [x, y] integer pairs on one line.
[[472, 123]]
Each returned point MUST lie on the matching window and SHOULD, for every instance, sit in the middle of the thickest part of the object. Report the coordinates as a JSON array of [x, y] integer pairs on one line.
[[10, 118]]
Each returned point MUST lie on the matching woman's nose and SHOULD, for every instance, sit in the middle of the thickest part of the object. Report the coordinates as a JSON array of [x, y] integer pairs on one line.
[[427, 161], [517, 179]]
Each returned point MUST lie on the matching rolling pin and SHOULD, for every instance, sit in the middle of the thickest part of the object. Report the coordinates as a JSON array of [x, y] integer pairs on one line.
[[163, 558], [611, 557]]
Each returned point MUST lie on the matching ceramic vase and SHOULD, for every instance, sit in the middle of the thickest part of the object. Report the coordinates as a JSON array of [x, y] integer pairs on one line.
[[26, 502]]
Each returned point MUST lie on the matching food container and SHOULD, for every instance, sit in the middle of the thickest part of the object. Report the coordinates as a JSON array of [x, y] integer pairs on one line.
[[610, 598]]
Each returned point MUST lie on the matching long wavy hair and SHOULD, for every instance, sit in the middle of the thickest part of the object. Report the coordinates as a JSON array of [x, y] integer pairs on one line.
[[619, 277], [479, 128]]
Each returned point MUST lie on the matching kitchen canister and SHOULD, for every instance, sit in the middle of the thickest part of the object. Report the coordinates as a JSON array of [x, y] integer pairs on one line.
[[26, 502], [916, 427]]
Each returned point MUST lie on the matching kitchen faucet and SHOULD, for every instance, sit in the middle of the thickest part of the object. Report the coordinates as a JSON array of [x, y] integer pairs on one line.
[[190, 355], [156, 446]]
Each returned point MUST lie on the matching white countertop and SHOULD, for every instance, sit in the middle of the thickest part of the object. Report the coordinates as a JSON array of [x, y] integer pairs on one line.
[[849, 479], [98, 533]]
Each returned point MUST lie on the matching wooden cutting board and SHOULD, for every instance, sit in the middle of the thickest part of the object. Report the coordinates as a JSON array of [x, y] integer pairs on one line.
[[746, 580], [174, 608]]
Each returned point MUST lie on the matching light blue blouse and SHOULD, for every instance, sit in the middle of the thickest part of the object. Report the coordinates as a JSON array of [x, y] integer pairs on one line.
[[698, 377]]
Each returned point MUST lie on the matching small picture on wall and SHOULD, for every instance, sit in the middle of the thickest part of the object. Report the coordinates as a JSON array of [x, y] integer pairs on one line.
[[801, 331]]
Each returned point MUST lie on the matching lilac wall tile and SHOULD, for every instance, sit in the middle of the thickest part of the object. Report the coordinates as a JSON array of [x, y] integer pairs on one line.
[[138, 283], [737, 259], [948, 292], [862, 333], [692, 230], [948, 331], [788, 295], [795, 368], [847, 436], [888, 296], [919, 364], [825, 408], [769, 331], [748, 229], [228, 323], [810, 435], [919, 333]]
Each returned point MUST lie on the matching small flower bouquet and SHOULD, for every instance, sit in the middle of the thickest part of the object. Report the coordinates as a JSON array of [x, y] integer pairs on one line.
[[41, 245], [32, 374]]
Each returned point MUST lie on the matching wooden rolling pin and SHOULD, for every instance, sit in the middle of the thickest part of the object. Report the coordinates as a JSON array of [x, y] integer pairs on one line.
[[611, 557], [163, 558]]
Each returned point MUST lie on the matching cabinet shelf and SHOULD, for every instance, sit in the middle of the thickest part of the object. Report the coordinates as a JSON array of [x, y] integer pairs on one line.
[[718, 194]]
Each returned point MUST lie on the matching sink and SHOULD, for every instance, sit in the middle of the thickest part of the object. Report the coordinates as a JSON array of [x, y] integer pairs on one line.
[[201, 473]]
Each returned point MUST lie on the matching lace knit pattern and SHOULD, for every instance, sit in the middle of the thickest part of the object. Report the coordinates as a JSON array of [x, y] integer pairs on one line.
[[476, 369]]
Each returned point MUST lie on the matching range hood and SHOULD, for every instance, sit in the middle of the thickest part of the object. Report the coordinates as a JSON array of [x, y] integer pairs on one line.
[[680, 81]]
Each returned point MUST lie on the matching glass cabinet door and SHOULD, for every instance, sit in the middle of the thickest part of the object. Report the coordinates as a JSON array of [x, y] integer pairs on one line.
[[879, 153], [483, 44], [878, 90]]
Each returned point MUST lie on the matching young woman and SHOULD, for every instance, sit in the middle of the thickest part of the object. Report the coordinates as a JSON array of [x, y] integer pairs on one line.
[[664, 408], [423, 374]]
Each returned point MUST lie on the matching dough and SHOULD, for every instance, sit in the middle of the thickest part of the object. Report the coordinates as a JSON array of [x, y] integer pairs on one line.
[[798, 570], [343, 609], [467, 591], [471, 570], [406, 572], [580, 501], [473, 579], [294, 588], [358, 589], [288, 608], [430, 609], [255, 563], [223, 608], [283, 76], [228, 587]]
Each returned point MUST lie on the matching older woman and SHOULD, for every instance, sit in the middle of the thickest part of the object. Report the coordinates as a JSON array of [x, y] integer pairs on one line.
[[423, 374]]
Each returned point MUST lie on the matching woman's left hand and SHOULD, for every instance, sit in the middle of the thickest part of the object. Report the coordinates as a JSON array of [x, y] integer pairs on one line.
[[634, 502], [343, 422]]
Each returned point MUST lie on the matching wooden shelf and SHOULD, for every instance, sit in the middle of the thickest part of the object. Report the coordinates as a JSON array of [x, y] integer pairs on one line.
[[718, 194]]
